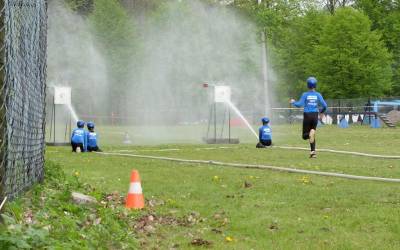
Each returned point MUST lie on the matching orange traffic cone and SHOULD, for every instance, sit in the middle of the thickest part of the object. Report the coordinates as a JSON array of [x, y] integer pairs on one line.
[[135, 198]]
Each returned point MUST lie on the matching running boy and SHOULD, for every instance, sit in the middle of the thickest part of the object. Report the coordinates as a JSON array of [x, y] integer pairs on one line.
[[311, 100], [264, 134], [92, 138], [78, 137]]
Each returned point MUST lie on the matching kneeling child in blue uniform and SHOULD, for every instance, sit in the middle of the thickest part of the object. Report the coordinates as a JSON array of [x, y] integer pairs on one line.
[[265, 134], [78, 137], [92, 138]]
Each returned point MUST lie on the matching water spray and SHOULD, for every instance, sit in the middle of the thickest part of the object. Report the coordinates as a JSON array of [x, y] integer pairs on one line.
[[222, 94], [237, 111], [73, 113], [61, 97]]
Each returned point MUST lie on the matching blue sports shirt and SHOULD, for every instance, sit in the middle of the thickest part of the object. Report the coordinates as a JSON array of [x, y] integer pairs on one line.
[[310, 101], [92, 139], [79, 136], [264, 133]]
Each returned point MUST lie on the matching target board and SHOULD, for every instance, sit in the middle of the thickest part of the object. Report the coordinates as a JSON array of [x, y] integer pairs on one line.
[[222, 93], [62, 95]]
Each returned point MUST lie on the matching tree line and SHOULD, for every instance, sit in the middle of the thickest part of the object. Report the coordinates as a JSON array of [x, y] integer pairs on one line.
[[351, 46]]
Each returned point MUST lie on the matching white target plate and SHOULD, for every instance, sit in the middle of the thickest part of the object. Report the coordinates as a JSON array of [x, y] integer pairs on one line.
[[222, 93], [62, 95]]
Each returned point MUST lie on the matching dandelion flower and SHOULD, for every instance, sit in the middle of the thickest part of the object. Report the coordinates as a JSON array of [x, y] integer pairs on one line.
[[228, 239]]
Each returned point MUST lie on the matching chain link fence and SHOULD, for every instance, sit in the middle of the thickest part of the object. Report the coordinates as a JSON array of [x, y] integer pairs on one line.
[[355, 110], [23, 46]]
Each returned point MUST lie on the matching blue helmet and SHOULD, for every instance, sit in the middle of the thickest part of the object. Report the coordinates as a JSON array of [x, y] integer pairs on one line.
[[311, 82], [265, 120], [80, 124], [90, 125]]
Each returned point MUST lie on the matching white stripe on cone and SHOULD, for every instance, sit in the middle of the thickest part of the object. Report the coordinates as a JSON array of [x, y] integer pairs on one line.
[[135, 188]]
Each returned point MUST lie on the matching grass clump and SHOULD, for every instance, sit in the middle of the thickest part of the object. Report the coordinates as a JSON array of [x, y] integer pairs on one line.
[[47, 218]]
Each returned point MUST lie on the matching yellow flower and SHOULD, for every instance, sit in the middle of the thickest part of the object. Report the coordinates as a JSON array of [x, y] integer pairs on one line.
[[76, 173], [305, 180], [216, 178], [228, 239]]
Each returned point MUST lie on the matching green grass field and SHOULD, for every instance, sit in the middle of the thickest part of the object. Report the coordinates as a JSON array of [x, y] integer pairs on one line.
[[231, 208]]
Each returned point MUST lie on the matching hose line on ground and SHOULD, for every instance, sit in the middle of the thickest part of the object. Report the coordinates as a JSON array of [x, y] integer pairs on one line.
[[254, 166]]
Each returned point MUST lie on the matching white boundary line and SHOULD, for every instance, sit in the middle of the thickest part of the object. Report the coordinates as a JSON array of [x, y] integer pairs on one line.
[[239, 165], [170, 149], [281, 147], [342, 152]]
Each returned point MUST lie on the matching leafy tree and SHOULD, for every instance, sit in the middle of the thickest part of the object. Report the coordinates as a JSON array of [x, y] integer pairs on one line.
[[332, 5], [274, 18], [141, 7], [385, 17], [304, 41], [351, 60], [317, 37], [83, 7], [295, 51], [116, 33]]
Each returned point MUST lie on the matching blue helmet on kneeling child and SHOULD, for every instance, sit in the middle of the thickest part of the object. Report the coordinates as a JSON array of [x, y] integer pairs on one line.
[[80, 124], [265, 120], [90, 125]]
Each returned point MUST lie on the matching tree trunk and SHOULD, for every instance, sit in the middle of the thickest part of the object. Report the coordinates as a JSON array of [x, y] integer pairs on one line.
[[3, 123]]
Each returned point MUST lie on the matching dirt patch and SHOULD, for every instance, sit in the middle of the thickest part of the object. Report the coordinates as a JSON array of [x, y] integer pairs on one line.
[[112, 199], [216, 230], [149, 222], [200, 242], [273, 227], [247, 184], [155, 202]]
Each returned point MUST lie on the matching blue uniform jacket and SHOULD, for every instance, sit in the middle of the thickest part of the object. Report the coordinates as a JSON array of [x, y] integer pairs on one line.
[[264, 133], [79, 136], [92, 139], [310, 100]]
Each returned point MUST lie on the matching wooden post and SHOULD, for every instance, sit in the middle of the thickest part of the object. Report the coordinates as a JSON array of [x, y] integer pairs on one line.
[[54, 119], [215, 122], [229, 125], [267, 104]]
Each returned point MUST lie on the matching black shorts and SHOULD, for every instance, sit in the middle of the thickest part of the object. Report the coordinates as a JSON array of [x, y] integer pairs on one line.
[[266, 142], [310, 121], [76, 145], [90, 149]]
